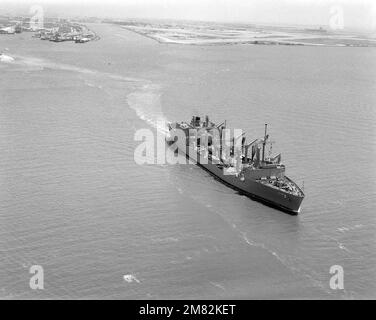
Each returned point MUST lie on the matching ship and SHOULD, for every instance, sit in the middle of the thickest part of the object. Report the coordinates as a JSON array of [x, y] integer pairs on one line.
[[242, 166]]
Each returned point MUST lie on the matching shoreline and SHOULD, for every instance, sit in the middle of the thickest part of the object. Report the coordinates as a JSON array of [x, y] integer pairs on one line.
[[209, 36]]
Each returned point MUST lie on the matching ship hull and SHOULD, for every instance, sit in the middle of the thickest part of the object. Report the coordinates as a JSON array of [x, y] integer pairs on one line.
[[252, 188], [257, 191]]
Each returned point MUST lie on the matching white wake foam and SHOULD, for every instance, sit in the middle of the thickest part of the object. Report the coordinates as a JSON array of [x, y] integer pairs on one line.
[[6, 59], [130, 278], [147, 103]]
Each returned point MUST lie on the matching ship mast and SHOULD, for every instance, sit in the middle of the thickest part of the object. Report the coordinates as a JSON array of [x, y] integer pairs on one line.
[[264, 143], [220, 138]]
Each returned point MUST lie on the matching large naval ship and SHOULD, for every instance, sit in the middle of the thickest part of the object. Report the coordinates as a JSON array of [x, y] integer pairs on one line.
[[243, 166]]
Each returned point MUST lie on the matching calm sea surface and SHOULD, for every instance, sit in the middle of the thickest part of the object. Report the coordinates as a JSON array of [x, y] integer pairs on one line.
[[73, 200]]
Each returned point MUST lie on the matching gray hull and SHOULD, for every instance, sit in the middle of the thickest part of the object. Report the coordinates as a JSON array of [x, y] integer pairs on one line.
[[249, 186], [257, 190]]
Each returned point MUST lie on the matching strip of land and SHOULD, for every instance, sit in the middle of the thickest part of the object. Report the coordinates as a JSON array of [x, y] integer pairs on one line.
[[190, 33]]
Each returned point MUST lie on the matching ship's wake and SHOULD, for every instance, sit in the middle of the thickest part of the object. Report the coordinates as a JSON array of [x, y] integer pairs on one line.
[[146, 102], [29, 63]]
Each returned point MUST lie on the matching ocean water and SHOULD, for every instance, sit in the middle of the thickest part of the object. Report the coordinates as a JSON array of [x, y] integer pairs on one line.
[[73, 200]]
